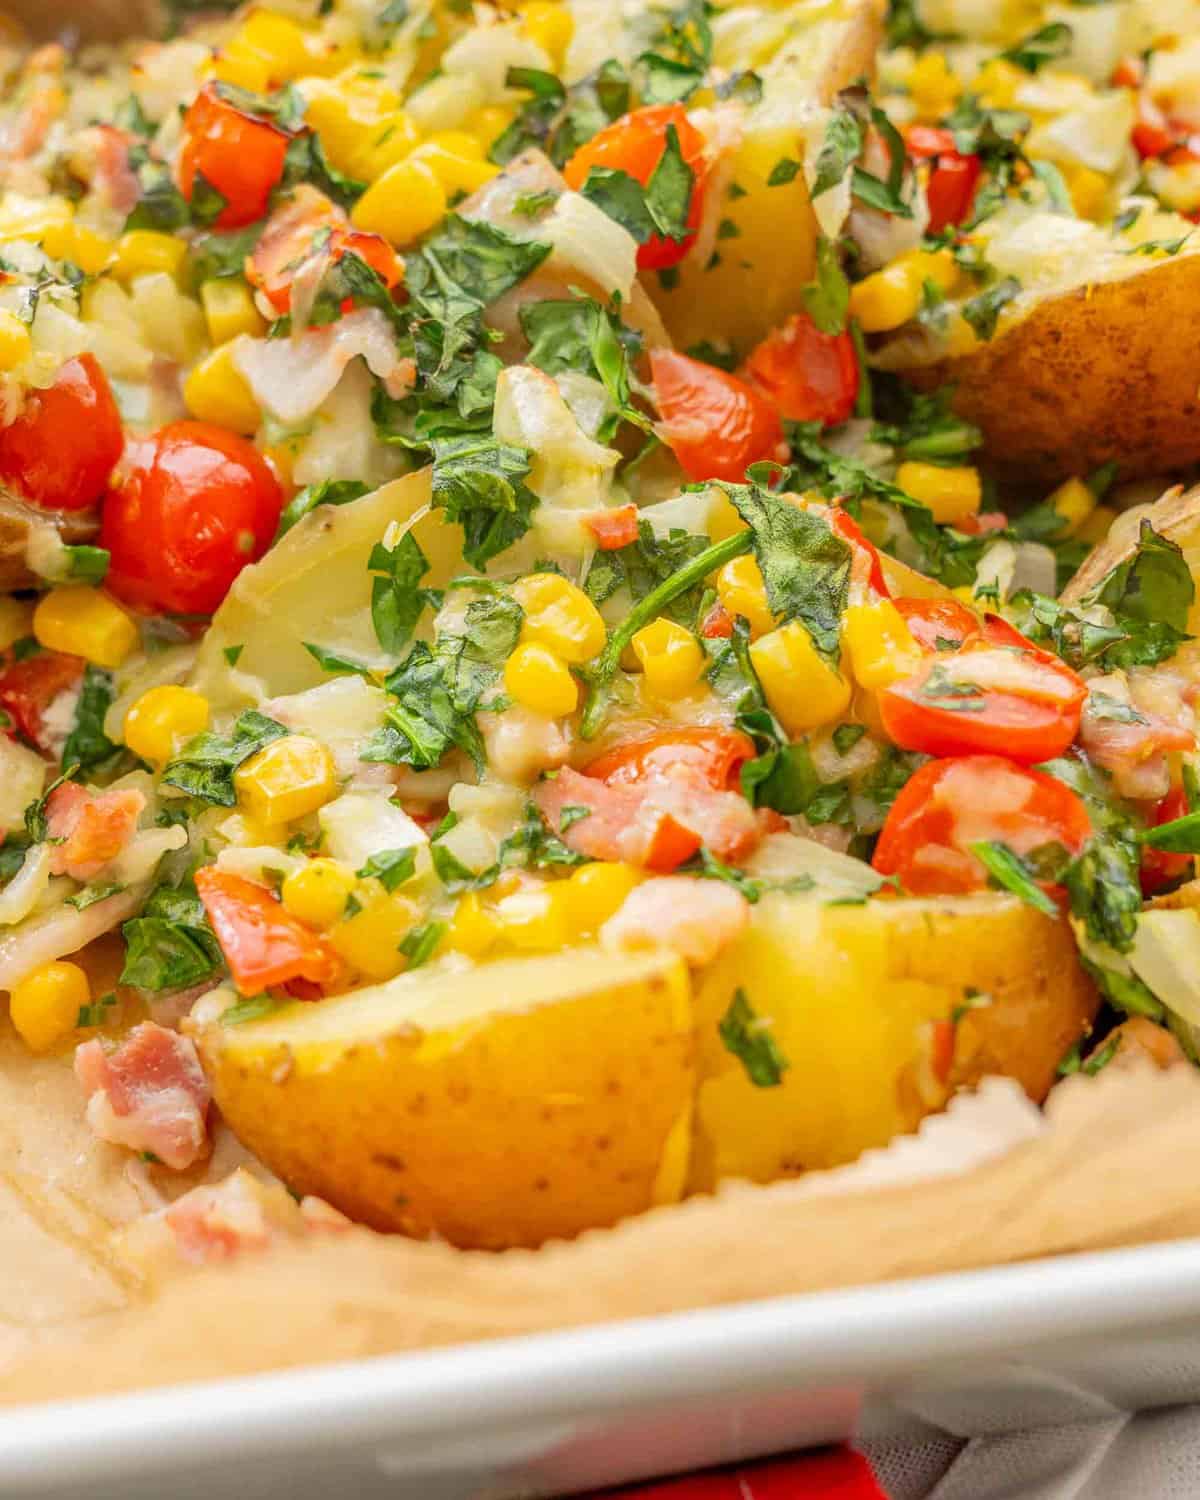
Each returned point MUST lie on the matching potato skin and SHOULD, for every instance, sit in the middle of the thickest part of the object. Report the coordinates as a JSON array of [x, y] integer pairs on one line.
[[851, 994], [523, 1124], [1099, 373]]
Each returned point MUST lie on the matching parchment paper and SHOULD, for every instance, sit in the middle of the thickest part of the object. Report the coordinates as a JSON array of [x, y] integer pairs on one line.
[[1103, 1169]]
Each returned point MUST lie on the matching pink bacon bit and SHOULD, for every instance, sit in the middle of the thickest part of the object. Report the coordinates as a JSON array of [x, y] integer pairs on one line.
[[89, 829], [148, 1094]]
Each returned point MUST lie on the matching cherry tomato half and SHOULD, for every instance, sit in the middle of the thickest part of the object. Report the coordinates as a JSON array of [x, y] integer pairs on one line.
[[716, 754], [27, 689], [635, 144], [239, 155], [307, 225], [948, 805], [64, 445], [998, 693], [1159, 866], [808, 376], [953, 177], [938, 624], [194, 506], [263, 944], [714, 423]]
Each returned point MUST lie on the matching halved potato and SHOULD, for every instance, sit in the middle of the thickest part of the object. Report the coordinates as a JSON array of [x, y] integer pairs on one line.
[[507, 1105], [1102, 372], [850, 996]]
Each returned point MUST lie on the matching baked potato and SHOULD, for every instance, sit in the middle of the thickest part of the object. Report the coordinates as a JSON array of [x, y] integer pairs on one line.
[[533, 1100], [878, 1011]]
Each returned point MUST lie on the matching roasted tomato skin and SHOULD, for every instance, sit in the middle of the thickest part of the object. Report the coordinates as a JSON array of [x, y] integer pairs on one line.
[[716, 754], [66, 441], [309, 224], [950, 804], [194, 505], [635, 144], [715, 424], [263, 944], [807, 375], [239, 155], [938, 624]]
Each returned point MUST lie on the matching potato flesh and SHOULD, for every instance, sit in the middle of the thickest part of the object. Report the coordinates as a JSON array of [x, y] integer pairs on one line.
[[527, 1101], [849, 995]]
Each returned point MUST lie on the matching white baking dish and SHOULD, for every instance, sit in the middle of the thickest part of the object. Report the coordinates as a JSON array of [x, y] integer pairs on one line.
[[1053, 1341]]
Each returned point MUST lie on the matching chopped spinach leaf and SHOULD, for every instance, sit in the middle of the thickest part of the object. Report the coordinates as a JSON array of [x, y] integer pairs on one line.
[[749, 1039]]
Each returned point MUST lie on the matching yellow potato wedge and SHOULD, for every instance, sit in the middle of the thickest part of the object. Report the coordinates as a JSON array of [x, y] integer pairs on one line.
[[1095, 374], [851, 995], [508, 1105]]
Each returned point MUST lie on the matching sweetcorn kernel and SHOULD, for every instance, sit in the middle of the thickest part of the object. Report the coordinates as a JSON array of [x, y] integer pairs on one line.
[[370, 940], [1074, 502], [474, 928], [488, 124], [670, 657], [229, 310], [161, 719], [723, 519], [551, 26], [879, 644], [951, 492], [456, 173], [144, 250], [741, 590], [217, 391], [44, 1006], [403, 204], [1097, 525], [84, 622], [285, 780], [802, 689], [535, 919], [997, 83], [15, 344], [90, 251], [1089, 192], [560, 615], [886, 299], [933, 86], [538, 679], [597, 891], [317, 893]]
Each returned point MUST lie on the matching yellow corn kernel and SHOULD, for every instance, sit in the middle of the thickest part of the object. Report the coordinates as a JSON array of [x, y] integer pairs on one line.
[[741, 590], [670, 657], [217, 391], [551, 26], [457, 143], [488, 124], [229, 310], [362, 127], [886, 299], [285, 780], [1089, 192], [16, 620], [936, 266], [535, 919], [317, 892], [933, 86], [284, 49], [44, 1006], [84, 622], [1074, 502], [1096, 527], [385, 146], [15, 344], [47, 220], [143, 250], [951, 493], [473, 928], [538, 679], [802, 689], [879, 644], [90, 251], [245, 70], [723, 519], [997, 83], [403, 204], [561, 616], [370, 940], [455, 172], [596, 892], [162, 719]]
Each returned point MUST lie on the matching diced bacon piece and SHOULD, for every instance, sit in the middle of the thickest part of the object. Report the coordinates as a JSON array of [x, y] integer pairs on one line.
[[613, 529], [1131, 743], [89, 829], [220, 1220], [104, 150], [657, 824], [149, 1094], [697, 919]]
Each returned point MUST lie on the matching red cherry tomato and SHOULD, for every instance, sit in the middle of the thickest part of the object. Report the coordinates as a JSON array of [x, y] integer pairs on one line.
[[239, 155], [1159, 866], [938, 624], [61, 450], [1152, 135], [808, 375], [195, 505], [307, 225], [948, 805], [717, 754], [998, 693], [635, 144], [613, 529], [715, 424], [27, 689], [867, 566], [263, 944], [953, 178], [1129, 72]]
